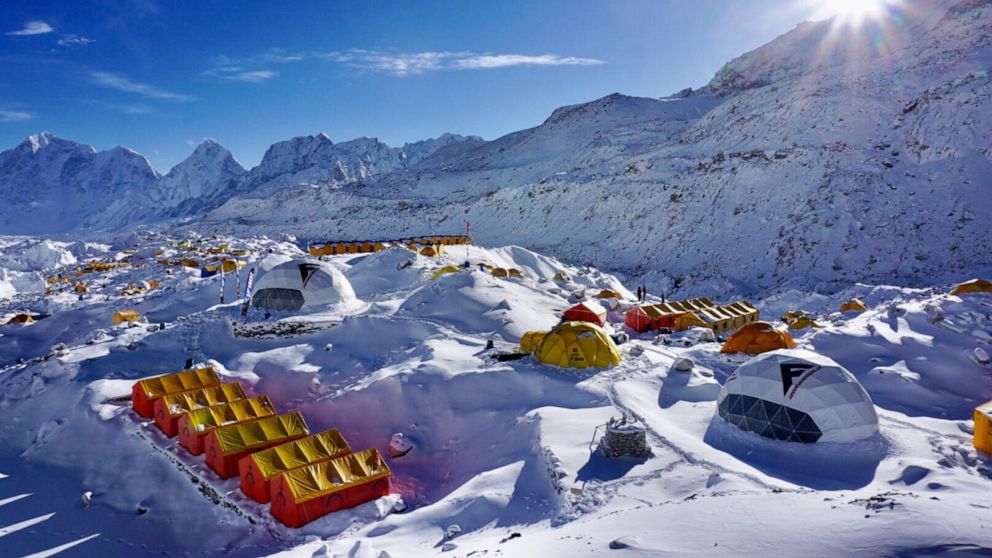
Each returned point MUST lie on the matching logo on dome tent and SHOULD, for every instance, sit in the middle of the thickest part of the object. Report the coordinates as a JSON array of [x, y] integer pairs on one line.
[[306, 272], [791, 371]]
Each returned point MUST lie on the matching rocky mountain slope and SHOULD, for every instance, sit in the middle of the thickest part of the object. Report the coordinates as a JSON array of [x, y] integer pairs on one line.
[[834, 154]]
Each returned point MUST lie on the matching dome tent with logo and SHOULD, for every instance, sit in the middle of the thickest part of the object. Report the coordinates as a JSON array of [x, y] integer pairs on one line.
[[798, 396], [302, 285]]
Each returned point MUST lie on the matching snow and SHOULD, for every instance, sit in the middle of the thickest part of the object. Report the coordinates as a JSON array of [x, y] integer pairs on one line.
[[798, 178], [506, 451]]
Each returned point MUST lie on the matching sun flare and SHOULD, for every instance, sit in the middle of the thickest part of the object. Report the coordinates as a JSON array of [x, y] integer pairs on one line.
[[857, 11]]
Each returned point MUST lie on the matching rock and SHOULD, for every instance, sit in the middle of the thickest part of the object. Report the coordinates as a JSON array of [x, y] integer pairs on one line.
[[322, 551], [399, 445], [141, 510], [448, 547], [452, 531], [86, 499], [980, 356], [399, 506], [636, 350], [683, 364], [328, 347]]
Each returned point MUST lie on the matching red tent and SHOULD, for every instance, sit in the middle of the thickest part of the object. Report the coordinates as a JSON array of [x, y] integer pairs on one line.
[[586, 312]]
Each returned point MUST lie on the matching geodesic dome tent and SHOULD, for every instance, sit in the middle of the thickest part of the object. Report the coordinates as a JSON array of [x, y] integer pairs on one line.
[[799, 396], [301, 284]]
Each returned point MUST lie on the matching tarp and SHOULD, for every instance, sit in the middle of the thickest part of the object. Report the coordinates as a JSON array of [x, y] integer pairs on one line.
[[975, 286], [196, 424], [145, 392], [169, 408], [757, 338], [577, 345], [226, 445], [301, 495], [261, 467]]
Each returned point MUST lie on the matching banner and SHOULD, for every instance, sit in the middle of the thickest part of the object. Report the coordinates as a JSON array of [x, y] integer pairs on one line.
[[248, 284]]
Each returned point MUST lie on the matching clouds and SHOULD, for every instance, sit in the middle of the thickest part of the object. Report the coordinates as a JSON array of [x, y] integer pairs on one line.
[[407, 64], [121, 83], [71, 40], [14, 116], [236, 73], [32, 28], [393, 63]]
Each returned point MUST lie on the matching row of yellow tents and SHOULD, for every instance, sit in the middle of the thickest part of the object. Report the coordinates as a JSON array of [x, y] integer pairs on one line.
[[427, 246]]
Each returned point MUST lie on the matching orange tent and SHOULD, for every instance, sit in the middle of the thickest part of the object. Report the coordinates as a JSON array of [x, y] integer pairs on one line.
[[259, 469], [145, 392], [757, 338], [227, 445], [170, 408], [196, 424], [607, 293], [304, 494], [974, 286], [20, 319]]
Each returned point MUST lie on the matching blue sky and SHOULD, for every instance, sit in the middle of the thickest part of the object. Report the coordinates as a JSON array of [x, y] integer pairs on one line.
[[159, 76]]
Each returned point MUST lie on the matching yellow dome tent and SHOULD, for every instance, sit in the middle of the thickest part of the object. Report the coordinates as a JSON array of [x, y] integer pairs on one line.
[[975, 286], [853, 305], [432, 251], [80, 287], [444, 271], [515, 273], [122, 316], [500, 272], [577, 345], [530, 341], [757, 338], [560, 277], [607, 293]]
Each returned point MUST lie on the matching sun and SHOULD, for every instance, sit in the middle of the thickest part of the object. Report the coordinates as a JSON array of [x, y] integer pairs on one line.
[[856, 11]]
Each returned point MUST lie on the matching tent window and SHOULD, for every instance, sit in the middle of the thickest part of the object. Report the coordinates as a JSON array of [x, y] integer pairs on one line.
[[768, 419], [278, 300]]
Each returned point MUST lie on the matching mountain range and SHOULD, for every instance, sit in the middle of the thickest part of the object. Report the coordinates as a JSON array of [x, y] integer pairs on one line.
[[833, 154]]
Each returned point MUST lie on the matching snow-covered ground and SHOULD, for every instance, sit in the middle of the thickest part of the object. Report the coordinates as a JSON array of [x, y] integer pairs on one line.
[[501, 449]]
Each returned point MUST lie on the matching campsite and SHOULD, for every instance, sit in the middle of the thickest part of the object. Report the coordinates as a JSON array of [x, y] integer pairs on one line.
[[552, 279], [393, 359]]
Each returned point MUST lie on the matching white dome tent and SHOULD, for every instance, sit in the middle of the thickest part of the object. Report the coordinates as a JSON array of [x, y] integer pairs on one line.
[[799, 396], [302, 285]]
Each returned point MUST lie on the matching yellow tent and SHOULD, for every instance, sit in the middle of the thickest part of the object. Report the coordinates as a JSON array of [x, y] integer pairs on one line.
[[607, 293], [80, 287], [983, 428], [20, 319], [757, 338], [530, 341], [432, 251], [444, 271], [239, 410], [514, 272], [499, 272], [975, 286], [379, 246], [802, 322], [240, 252], [578, 345], [122, 316], [853, 305], [560, 277]]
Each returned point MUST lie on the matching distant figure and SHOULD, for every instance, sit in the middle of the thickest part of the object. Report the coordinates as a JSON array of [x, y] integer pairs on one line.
[[466, 265], [189, 363], [644, 293], [638, 294]]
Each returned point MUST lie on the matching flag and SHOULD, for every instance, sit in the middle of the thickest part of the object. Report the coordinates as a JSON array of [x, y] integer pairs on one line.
[[248, 284], [222, 282], [468, 228]]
